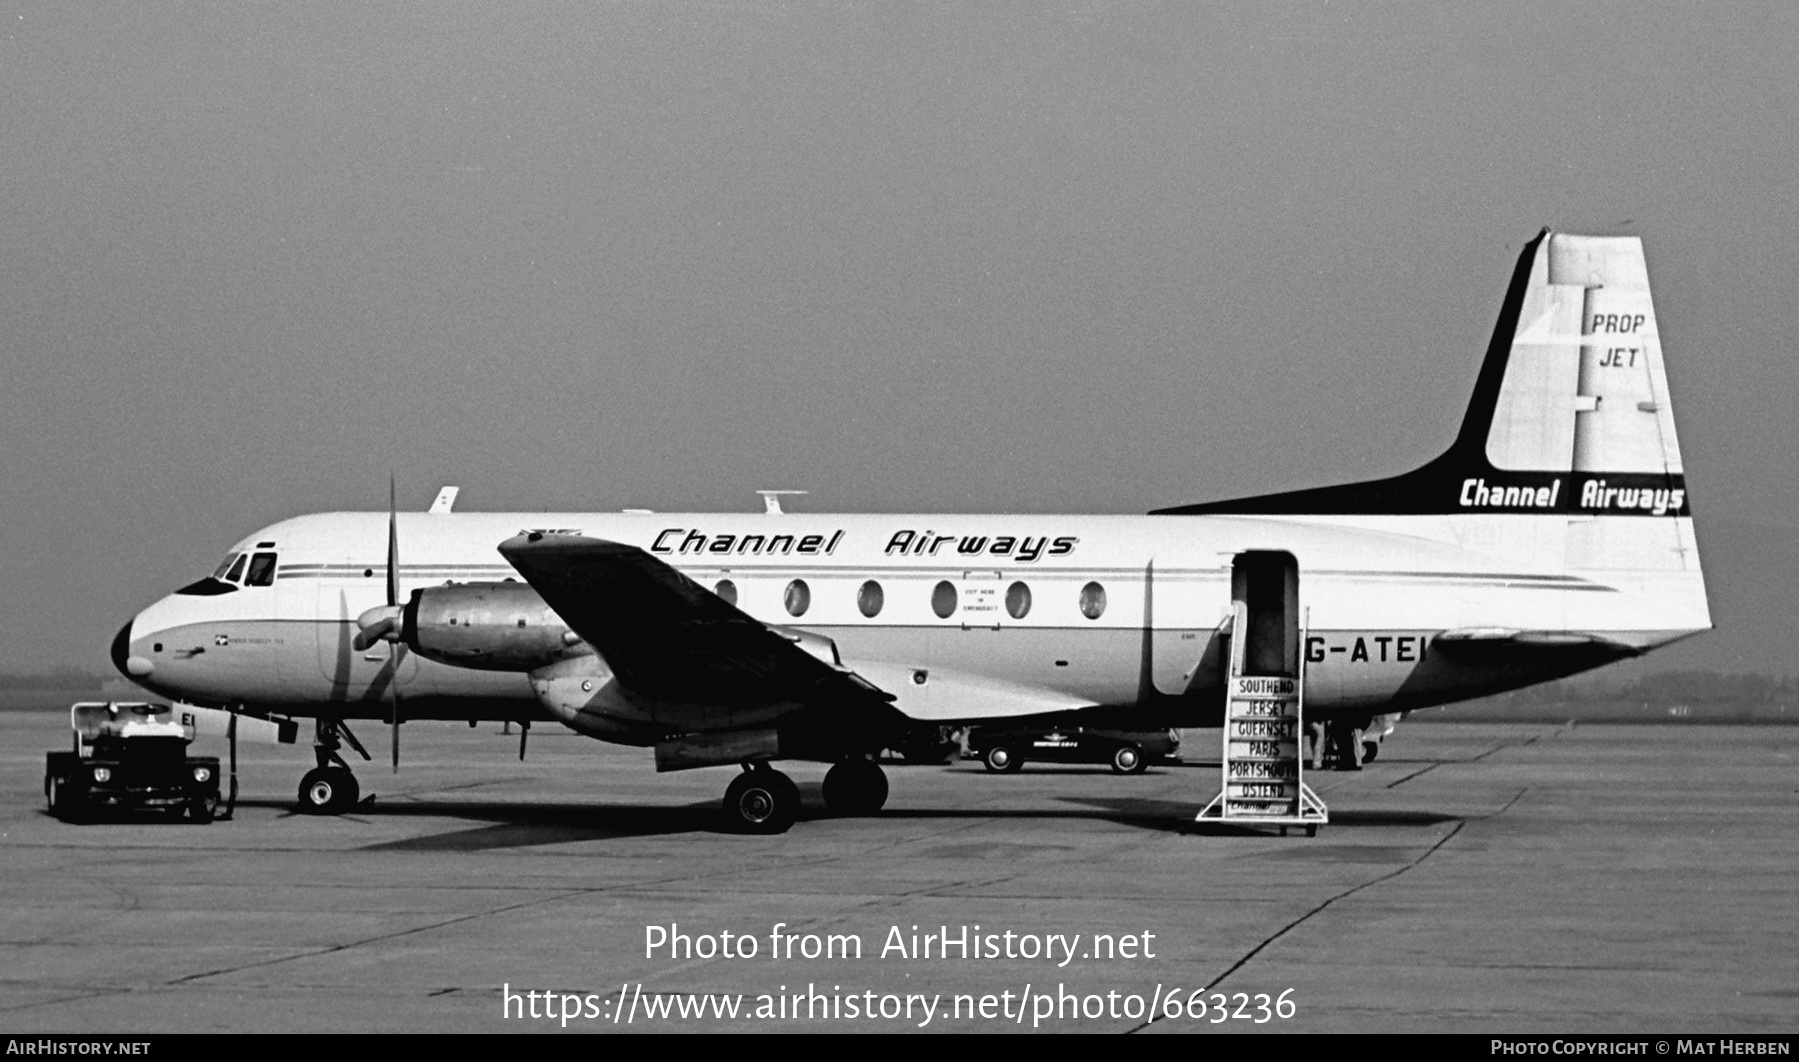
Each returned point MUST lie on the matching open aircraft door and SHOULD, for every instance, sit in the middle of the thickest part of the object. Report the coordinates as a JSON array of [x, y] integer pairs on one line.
[[1263, 762]]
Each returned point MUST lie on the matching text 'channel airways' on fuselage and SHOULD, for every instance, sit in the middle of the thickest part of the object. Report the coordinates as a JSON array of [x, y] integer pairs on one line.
[[1553, 536]]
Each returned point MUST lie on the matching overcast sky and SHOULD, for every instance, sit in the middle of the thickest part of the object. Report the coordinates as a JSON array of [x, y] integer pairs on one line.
[[1068, 256]]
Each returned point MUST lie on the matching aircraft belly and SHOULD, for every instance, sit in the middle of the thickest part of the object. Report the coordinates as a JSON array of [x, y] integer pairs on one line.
[[1391, 669]]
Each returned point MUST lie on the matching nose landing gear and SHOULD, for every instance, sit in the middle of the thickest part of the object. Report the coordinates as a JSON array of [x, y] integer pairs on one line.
[[330, 788]]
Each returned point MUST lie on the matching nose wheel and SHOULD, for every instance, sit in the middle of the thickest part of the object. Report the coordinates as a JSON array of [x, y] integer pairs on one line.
[[328, 791], [330, 788]]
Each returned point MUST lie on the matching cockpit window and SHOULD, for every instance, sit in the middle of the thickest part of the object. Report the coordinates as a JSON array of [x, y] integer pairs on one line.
[[262, 570], [230, 568]]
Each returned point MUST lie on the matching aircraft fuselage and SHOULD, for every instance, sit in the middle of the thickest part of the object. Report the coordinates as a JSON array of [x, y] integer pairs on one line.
[[1116, 611]]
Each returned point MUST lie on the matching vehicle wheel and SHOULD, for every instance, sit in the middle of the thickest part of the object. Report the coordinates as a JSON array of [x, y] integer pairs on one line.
[[1129, 759], [66, 801], [203, 808], [1001, 760], [762, 800], [328, 791], [855, 787], [1370, 750]]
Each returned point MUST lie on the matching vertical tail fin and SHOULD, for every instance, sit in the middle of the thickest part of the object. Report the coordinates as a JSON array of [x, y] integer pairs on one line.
[[1583, 386], [1570, 413], [1567, 459]]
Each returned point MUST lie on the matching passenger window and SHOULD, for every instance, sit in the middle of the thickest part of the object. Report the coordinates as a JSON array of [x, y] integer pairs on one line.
[[799, 598], [1018, 600], [262, 570], [870, 599], [237, 568], [727, 590], [1093, 600], [943, 599]]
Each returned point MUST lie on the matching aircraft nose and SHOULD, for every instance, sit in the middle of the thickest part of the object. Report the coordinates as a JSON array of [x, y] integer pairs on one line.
[[132, 667]]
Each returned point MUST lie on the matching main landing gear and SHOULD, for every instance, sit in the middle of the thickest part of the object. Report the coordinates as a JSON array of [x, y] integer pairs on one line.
[[763, 800], [855, 787], [330, 788]]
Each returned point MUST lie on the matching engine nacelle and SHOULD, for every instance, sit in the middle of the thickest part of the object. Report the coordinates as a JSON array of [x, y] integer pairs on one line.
[[486, 627]]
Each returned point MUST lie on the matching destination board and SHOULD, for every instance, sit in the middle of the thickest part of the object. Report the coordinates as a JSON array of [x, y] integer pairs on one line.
[[1263, 750], [1260, 728], [1262, 764], [1263, 710], [1264, 686], [1258, 769], [1262, 790]]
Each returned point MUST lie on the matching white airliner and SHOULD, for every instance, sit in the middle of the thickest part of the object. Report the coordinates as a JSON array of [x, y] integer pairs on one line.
[[1553, 536]]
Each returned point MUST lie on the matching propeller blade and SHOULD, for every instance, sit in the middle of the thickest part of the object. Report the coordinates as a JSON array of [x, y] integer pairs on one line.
[[393, 544], [391, 617], [393, 685]]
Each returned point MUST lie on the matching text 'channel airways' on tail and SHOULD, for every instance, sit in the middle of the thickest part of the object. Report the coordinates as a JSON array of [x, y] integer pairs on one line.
[[1553, 536]]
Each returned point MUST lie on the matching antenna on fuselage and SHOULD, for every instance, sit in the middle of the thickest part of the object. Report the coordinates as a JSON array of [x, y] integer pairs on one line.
[[771, 500]]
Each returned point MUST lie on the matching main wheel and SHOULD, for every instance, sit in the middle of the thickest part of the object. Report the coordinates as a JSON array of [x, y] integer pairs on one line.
[[1001, 760], [328, 791], [855, 787], [1370, 749], [762, 800], [1129, 759]]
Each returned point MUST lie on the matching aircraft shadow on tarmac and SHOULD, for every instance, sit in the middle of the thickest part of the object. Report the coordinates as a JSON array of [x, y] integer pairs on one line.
[[513, 824], [520, 824]]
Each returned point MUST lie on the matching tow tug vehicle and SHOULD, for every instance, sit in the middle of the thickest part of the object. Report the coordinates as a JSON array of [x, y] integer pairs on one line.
[[130, 756]]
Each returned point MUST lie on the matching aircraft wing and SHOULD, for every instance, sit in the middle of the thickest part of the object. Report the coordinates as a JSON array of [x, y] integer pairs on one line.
[[668, 638]]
